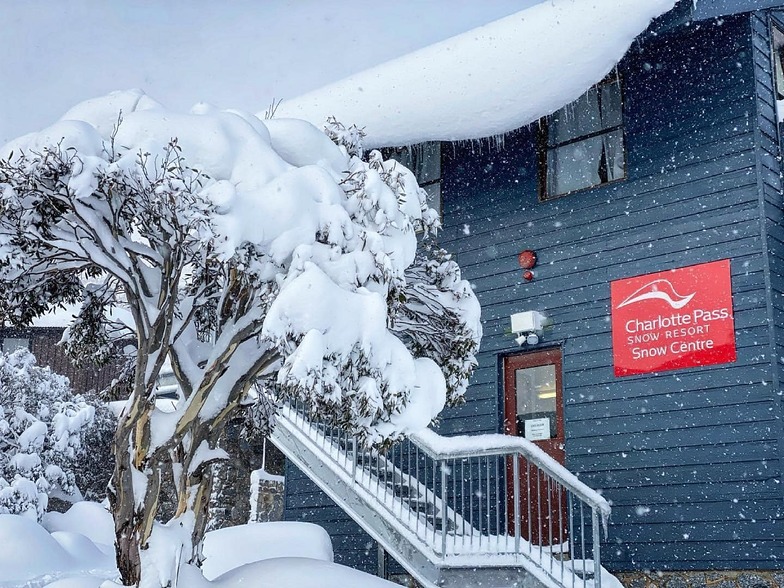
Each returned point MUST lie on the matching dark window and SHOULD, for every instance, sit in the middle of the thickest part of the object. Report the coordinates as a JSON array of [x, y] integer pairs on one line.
[[778, 68], [424, 160], [583, 142]]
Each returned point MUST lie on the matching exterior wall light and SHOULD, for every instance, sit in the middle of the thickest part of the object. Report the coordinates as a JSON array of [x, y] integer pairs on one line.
[[528, 326]]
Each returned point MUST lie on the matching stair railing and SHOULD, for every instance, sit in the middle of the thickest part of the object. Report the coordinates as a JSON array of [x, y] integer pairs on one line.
[[479, 500]]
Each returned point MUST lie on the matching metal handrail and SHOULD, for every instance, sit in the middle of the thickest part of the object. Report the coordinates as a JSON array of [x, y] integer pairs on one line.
[[492, 444], [466, 498]]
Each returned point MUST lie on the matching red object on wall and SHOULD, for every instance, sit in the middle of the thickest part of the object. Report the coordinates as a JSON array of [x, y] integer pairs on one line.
[[527, 259], [528, 275], [672, 320]]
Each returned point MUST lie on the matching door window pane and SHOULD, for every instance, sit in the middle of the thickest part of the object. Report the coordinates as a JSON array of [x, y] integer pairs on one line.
[[536, 402]]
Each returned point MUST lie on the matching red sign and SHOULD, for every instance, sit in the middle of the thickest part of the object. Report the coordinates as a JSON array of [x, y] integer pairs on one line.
[[671, 320]]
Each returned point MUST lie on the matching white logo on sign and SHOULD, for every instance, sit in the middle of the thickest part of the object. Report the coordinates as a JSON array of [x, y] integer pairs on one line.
[[660, 289]]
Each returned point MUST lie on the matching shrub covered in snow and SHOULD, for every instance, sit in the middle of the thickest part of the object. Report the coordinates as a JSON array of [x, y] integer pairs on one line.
[[42, 430], [94, 463]]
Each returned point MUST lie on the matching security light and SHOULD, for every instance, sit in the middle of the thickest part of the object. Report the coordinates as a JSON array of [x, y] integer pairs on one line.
[[528, 327]]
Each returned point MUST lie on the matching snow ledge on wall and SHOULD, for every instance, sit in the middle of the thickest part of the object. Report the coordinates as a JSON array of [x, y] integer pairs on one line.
[[487, 81]]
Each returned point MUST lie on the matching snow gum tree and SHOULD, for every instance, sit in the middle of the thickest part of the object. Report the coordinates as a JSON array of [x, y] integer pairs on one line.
[[240, 251]]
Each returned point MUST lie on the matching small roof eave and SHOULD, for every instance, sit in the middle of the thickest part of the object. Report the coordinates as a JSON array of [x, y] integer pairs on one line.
[[487, 81], [704, 9]]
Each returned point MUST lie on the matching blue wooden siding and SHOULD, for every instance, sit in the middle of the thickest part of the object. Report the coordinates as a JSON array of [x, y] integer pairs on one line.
[[690, 459], [770, 186], [304, 501], [716, 8]]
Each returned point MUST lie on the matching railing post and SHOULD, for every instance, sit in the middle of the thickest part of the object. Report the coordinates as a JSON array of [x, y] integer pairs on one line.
[[571, 530], [382, 562], [354, 459], [443, 508], [516, 484], [597, 539]]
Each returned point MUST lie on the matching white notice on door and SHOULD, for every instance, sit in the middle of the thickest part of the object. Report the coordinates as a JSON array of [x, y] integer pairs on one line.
[[537, 429]]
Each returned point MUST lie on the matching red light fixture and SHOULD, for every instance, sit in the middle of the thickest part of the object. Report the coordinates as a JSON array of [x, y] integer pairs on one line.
[[527, 261]]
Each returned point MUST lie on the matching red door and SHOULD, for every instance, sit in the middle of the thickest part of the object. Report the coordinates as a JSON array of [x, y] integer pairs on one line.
[[533, 401]]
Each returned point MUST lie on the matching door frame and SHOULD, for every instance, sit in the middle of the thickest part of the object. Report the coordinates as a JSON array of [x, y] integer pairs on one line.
[[548, 526], [530, 359]]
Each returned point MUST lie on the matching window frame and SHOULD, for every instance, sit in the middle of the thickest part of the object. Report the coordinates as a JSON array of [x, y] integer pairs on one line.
[[776, 28], [544, 147]]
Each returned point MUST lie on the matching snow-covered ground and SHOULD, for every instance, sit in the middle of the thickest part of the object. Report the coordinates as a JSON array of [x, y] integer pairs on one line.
[[75, 550]]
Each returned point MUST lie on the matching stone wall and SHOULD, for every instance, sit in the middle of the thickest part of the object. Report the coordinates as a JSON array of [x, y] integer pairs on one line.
[[269, 502], [745, 579], [230, 503]]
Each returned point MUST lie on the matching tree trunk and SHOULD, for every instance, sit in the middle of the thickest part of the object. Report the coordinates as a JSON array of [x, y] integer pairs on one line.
[[197, 484], [202, 509], [127, 526], [133, 512]]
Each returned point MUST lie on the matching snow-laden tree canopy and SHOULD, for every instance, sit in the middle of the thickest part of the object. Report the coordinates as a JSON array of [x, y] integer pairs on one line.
[[233, 248], [292, 209]]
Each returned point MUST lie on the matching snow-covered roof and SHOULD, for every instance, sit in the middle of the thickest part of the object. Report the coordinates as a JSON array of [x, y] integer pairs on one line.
[[486, 81], [57, 317]]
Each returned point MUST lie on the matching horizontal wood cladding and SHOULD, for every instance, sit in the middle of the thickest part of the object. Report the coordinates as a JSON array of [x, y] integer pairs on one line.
[[731, 219], [44, 346], [721, 419], [304, 501], [698, 189], [650, 463], [736, 508], [650, 442], [768, 144], [535, 219]]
